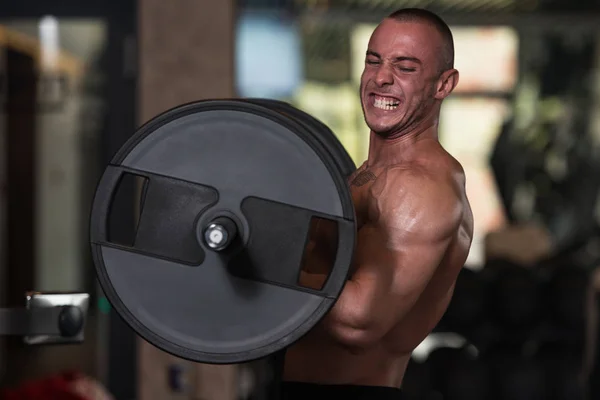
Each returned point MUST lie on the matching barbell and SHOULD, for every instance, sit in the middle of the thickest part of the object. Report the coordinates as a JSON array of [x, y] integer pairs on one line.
[[228, 191]]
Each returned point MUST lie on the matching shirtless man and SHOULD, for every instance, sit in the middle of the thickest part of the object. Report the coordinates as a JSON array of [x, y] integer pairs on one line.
[[415, 224]]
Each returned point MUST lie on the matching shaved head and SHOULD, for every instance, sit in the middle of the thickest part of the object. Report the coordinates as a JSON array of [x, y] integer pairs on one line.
[[447, 42], [409, 70]]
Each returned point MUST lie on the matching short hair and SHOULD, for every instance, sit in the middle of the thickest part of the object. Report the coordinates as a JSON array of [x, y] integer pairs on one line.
[[421, 15]]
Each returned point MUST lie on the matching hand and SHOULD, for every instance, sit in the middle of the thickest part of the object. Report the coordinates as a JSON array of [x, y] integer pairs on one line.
[[312, 281], [321, 248]]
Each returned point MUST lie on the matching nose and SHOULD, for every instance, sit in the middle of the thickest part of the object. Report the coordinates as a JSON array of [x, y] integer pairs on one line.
[[384, 76]]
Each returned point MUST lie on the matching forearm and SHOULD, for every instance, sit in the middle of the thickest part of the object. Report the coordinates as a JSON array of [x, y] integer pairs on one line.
[[339, 317], [345, 326], [366, 311]]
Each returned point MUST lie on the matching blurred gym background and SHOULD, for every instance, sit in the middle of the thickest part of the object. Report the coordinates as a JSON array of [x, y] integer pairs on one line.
[[77, 78]]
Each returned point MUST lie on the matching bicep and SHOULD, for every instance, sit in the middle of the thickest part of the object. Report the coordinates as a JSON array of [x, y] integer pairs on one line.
[[396, 266], [396, 258], [386, 284]]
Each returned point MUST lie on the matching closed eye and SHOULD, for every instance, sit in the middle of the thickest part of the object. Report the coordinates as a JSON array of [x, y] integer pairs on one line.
[[406, 67]]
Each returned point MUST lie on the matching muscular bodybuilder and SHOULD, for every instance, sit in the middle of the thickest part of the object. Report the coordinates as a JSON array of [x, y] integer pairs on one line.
[[415, 224]]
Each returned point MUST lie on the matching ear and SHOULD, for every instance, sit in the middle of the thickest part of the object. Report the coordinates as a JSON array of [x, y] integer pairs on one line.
[[446, 83]]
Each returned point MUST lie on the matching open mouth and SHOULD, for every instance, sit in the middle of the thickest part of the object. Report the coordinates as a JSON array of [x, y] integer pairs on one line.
[[385, 103]]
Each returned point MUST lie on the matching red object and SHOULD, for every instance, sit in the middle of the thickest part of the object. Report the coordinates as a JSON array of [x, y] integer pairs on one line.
[[56, 387]]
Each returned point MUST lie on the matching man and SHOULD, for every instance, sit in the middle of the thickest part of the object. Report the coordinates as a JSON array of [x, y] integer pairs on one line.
[[415, 224]]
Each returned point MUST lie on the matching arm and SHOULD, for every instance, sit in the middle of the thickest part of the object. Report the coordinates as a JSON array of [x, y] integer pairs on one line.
[[396, 256]]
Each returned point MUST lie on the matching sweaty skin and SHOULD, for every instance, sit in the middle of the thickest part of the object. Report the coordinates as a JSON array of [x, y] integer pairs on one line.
[[415, 224]]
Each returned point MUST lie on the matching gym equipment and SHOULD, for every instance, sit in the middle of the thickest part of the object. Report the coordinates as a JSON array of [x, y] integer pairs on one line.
[[548, 172], [228, 190], [47, 318], [343, 158]]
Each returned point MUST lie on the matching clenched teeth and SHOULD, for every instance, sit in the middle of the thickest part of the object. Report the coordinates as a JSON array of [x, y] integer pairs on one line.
[[385, 103]]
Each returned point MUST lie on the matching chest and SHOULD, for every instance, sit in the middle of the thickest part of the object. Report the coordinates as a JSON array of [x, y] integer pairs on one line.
[[366, 188]]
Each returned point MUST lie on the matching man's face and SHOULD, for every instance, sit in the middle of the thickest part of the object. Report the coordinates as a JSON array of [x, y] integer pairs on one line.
[[401, 75]]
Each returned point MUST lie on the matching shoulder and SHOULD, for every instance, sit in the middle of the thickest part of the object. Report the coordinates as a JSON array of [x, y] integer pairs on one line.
[[421, 199]]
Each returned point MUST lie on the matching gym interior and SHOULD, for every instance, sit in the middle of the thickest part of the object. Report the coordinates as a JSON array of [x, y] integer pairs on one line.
[[78, 78]]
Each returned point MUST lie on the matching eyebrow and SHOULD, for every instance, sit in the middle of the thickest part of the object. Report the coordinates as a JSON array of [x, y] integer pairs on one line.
[[396, 59]]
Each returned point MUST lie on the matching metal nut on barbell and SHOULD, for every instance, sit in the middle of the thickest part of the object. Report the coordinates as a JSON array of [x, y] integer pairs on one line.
[[220, 233]]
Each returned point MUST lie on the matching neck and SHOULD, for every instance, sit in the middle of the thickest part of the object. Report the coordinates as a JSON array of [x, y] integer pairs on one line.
[[398, 148]]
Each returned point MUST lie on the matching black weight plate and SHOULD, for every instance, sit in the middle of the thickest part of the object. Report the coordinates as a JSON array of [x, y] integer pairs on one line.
[[322, 131], [268, 173]]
